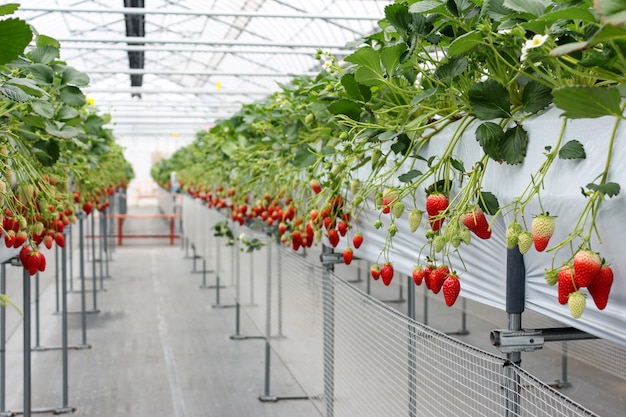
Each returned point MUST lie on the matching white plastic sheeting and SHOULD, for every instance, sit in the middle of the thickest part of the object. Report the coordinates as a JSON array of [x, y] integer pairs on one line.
[[485, 260]]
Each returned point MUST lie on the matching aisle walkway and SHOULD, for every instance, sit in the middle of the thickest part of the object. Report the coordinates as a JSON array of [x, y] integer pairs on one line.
[[158, 348]]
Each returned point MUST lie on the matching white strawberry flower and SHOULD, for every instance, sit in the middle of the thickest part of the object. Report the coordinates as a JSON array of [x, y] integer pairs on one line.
[[535, 42]]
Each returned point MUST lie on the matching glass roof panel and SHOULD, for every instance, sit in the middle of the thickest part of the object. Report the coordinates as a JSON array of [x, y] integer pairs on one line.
[[197, 60]]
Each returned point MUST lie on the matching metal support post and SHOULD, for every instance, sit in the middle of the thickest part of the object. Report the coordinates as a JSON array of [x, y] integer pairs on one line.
[[267, 397], [3, 279], [279, 274], [65, 407], [27, 343], [81, 249], [425, 321], [515, 299], [93, 262], [37, 346], [217, 287], [56, 278], [101, 248], [238, 335], [252, 278], [71, 251], [328, 307]]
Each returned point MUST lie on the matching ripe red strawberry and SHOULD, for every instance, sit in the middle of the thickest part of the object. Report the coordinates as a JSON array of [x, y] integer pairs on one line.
[[428, 271], [357, 240], [565, 283], [437, 277], [315, 186], [375, 271], [436, 205], [296, 240], [386, 273], [542, 230], [329, 222], [586, 266], [476, 221], [282, 228], [451, 289], [20, 239], [87, 207], [418, 274], [9, 238], [333, 237], [342, 227], [600, 287], [347, 255]]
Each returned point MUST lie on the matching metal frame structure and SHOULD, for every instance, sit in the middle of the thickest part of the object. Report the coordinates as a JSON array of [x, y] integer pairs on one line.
[[193, 51]]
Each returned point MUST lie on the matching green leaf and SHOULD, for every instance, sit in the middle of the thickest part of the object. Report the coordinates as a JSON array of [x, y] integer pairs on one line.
[[229, 148], [424, 6], [611, 11], [409, 176], [402, 144], [352, 87], [572, 150], [610, 188], [488, 203], [423, 95], [494, 9], [368, 71], [304, 158], [345, 107], [6, 9], [42, 73], [465, 43], [28, 86], [570, 13], [587, 102], [47, 152], [390, 57], [568, 48], [514, 145], [65, 132], [72, 76], [534, 7], [16, 35], [67, 113], [457, 164], [42, 108], [536, 96], [489, 100], [14, 93], [455, 66], [44, 54], [490, 135], [37, 122], [387, 135], [398, 16], [72, 96], [43, 40]]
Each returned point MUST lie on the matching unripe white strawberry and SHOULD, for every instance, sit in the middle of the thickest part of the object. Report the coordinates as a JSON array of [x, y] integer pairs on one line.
[[524, 241], [576, 303], [415, 218]]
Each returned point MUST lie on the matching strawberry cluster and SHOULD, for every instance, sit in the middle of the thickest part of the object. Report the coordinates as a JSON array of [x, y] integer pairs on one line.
[[588, 271]]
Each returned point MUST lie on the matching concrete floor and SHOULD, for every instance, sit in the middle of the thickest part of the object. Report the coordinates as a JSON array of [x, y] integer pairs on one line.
[[158, 348]]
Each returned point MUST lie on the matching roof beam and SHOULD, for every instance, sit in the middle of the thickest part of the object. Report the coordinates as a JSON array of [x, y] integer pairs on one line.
[[223, 42], [136, 71], [208, 13], [182, 90]]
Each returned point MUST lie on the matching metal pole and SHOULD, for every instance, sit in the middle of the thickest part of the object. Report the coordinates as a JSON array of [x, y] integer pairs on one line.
[[93, 261], [56, 277], [412, 351], [515, 298], [425, 306], [280, 293], [329, 334], [81, 250], [252, 278], [37, 310], [564, 383], [266, 397], [71, 251], [65, 378], [100, 248], [27, 342]]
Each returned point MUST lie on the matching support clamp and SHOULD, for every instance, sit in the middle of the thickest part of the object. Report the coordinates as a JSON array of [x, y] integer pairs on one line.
[[524, 340]]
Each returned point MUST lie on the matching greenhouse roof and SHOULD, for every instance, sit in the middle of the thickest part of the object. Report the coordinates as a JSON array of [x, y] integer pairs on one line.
[[164, 67]]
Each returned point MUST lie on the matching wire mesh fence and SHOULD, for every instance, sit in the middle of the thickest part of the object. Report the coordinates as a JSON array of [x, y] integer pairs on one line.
[[355, 355]]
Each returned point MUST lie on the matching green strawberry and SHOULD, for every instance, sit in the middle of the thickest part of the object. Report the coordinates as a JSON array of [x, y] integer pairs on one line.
[[376, 154], [393, 229], [415, 218], [524, 241], [542, 228], [355, 185], [398, 209], [465, 235], [551, 276], [439, 243], [576, 303], [512, 234]]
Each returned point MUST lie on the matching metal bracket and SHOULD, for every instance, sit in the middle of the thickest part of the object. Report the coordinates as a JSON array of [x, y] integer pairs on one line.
[[331, 258], [524, 340]]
